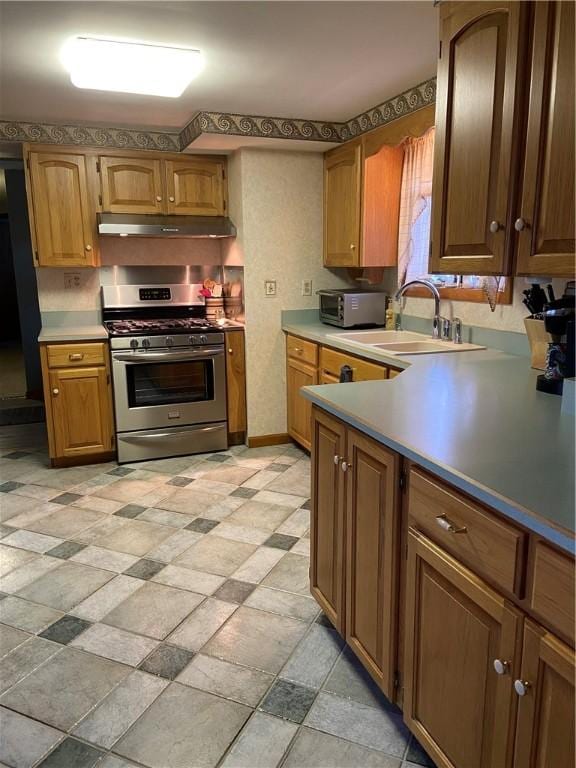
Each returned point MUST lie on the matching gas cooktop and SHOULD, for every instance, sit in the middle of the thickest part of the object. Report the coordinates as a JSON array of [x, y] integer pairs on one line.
[[160, 325]]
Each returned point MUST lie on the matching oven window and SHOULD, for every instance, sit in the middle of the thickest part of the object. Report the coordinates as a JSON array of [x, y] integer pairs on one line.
[[170, 383], [329, 305]]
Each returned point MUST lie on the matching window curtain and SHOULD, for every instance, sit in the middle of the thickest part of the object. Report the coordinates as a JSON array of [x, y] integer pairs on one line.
[[415, 197]]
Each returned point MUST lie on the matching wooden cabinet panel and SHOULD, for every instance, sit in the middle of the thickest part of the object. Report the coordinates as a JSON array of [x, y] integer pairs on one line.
[[477, 137], [485, 543], [299, 375], [456, 626], [546, 216], [236, 383], [332, 361], [81, 411], [300, 349], [551, 593], [545, 725], [62, 218], [327, 518], [328, 378], [131, 185], [371, 556], [342, 200], [195, 187], [65, 355]]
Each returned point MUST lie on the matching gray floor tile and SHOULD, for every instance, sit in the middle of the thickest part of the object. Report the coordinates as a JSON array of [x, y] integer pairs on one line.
[[66, 498], [257, 639], [180, 723], [115, 644], [65, 629], [247, 534], [65, 687], [350, 680], [262, 743], [106, 598], [314, 657], [11, 485], [288, 700], [135, 537], [65, 522], [202, 525], [202, 624], [120, 709], [66, 549], [241, 684], [11, 637], [189, 501], [11, 558], [34, 542], [23, 659], [27, 616], [284, 603], [258, 514], [297, 524], [258, 565], [106, 559], [232, 474], [370, 727], [167, 661], [312, 749], [290, 574], [189, 579], [144, 569], [121, 471], [65, 586], [25, 574], [234, 591], [130, 511], [165, 517], [113, 761], [244, 493], [126, 490], [174, 545], [23, 741], [281, 541], [296, 480], [181, 482], [215, 555], [72, 752], [154, 610]]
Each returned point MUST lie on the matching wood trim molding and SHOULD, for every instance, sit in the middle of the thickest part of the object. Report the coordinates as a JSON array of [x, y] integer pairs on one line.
[[474, 295], [224, 123], [261, 441]]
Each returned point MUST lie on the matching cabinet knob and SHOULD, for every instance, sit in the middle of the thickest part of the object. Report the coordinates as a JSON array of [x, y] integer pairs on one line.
[[159, 198], [495, 226], [520, 224], [346, 465], [55, 391], [446, 525], [88, 247], [521, 687], [337, 460], [230, 351], [171, 198], [352, 247], [501, 667]]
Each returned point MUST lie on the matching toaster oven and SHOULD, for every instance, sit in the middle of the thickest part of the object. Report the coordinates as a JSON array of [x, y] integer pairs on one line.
[[352, 308]]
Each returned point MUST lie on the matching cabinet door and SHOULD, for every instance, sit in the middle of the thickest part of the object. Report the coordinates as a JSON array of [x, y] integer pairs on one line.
[[62, 218], [342, 201], [195, 187], [236, 384], [545, 728], [81, 411], [546, 217], [477, 137], [299, 375], [131, 185], [327, 518], [455, 703], [371, 544]]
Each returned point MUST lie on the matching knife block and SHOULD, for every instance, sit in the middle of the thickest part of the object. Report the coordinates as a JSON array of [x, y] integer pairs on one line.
[[538, 339]]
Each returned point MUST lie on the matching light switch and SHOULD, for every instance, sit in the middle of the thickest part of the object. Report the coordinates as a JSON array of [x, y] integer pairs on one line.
[[306, 287], [270, 287], [72, 280]]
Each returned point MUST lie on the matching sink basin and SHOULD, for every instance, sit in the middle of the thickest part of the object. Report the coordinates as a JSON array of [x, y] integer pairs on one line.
[[402, 342], [412, 347], [372, 338]]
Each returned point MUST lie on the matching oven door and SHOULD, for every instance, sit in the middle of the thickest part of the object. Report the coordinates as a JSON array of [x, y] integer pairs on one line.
[[164, 388]]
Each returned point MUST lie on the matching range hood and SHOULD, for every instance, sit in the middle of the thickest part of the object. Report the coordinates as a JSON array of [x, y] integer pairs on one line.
[[142, 225]]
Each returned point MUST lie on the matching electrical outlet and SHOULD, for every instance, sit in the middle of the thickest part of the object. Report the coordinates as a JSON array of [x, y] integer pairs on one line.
[[306, 287], [72, 280], [270, 287]]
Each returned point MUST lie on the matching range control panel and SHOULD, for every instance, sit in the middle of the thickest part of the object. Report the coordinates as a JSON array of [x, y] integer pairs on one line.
[[154, 294]]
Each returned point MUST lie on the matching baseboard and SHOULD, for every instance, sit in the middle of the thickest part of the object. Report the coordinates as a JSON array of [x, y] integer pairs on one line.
[[260, 441], [236, 438], [78, 461]]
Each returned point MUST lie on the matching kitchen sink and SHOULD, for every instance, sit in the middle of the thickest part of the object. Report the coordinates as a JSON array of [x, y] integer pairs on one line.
[[402, 342], [413, 347], [372, 338]]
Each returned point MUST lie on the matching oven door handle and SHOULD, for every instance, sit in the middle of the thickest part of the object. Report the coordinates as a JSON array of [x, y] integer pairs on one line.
[[155, 435], [157, 357]]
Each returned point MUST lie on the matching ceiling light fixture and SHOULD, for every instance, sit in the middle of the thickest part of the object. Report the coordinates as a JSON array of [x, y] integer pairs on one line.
[[130, 67]]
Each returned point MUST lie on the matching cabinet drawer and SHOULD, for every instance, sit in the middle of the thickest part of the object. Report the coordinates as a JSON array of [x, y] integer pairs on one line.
[[299, 349], [331, 362], [70, 355], [551, 592], [489, 546]]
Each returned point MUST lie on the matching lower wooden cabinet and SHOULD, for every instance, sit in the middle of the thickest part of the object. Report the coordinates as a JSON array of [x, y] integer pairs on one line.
[[78, 399], [299, 409], [455, 703], [236, 386]]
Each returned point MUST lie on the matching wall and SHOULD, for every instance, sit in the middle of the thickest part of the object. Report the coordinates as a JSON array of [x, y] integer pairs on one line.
[[276, 204]]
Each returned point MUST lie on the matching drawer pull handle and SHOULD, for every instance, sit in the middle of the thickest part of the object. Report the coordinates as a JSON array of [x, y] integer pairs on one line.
[[76, 356], [521, 687], [446, 525], [501, 667]]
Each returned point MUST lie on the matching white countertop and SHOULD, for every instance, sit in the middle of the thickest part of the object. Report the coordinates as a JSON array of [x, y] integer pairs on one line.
[[73, 333]]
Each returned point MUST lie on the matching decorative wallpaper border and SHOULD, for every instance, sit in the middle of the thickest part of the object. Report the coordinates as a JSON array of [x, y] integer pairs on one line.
[[227, 124]]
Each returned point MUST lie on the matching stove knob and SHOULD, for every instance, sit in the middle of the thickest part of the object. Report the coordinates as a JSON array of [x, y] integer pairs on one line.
[[169, 341], [146, 343], [134, 343], [203, 339]]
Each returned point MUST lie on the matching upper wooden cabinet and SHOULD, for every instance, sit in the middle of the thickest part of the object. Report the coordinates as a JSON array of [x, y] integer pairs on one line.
[[131, 185], [545, 220], [342, 201], [477, 137], [62, 219], [193, 186]]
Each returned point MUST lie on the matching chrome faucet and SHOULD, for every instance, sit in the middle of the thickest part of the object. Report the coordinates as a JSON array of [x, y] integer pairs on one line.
[[436, 323]]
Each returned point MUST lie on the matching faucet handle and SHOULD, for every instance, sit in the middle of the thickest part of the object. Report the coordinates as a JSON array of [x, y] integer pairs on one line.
[[457, 323], [446, 328]]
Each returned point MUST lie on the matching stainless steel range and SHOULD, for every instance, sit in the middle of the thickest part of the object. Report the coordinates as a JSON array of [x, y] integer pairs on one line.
[[168, 369]]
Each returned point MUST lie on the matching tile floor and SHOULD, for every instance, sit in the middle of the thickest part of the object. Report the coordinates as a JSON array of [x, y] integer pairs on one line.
[[158, 615]]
